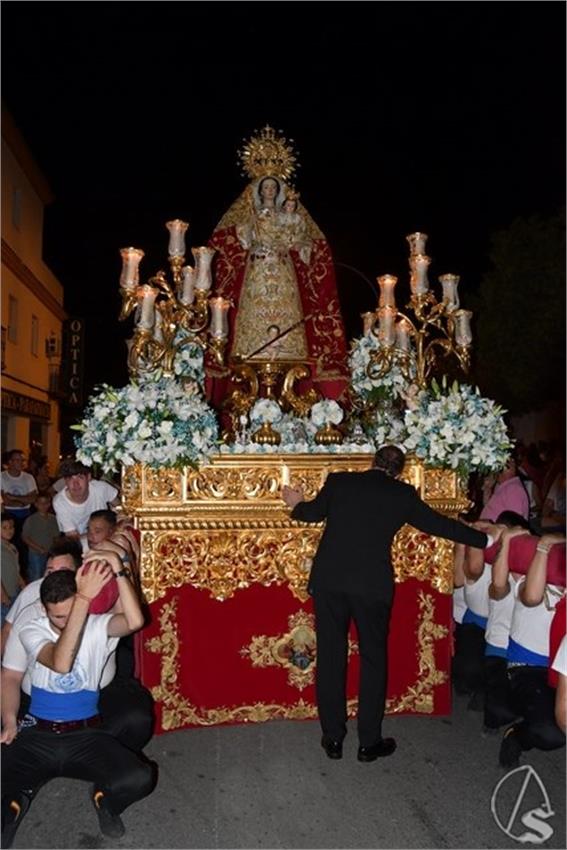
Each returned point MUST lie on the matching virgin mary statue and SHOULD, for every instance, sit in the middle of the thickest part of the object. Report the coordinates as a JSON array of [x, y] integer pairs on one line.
[[275, 265]]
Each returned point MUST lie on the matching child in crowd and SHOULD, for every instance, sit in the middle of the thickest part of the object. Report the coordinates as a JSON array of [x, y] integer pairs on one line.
[[39, 532], [12, 581]]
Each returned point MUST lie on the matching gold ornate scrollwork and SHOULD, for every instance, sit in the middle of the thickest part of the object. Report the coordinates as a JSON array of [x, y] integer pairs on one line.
[[233, 484], [132, 493], [241, 400], [226, 560], [419, 697], [416, 555], [176, 711], [300, 404], [163, 485]]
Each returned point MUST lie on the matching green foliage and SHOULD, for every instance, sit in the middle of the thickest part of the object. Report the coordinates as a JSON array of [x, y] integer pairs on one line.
[[519, 348]]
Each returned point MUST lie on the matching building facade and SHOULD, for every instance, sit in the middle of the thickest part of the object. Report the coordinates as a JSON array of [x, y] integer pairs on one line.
[[32, 307]]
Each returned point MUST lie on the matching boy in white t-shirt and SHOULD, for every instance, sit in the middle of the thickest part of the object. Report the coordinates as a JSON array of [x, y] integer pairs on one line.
[[80, 497]]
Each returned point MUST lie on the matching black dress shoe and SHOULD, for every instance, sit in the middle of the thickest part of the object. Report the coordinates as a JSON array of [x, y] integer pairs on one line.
[[334, 749], [383, 748]]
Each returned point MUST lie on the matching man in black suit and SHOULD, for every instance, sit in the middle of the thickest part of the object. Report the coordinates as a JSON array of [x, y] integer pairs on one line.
[[352, 578]]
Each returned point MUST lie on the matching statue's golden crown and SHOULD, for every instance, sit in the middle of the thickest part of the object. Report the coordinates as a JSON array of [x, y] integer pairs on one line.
[[268, 154]]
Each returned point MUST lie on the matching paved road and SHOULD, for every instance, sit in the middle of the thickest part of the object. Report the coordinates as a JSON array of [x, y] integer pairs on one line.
[[271, 786]]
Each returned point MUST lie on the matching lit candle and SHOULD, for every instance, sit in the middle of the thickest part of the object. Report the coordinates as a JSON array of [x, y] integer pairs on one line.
[[403, 329], [417, 243], [419, 283], [368, 320], [129, 277], [387, 331], [177, 230], [188, 294], [203, 274], [387, 283], [158, 329], [219, 317], [450, 282], [285, 475], [463, 333], [148, 294]]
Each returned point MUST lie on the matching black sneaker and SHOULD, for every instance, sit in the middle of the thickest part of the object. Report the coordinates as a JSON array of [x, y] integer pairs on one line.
[[510, 749], [12, 816], [110, 825]]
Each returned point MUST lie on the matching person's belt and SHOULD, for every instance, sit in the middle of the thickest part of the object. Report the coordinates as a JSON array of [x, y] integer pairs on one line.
[[61, 726]]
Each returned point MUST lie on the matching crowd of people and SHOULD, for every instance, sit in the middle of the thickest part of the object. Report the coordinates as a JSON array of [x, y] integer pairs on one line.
[[73, 706], [509, 607]]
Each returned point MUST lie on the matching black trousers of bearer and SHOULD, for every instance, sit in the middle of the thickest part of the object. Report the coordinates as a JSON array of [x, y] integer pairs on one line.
[[38, 755], [333, 615]]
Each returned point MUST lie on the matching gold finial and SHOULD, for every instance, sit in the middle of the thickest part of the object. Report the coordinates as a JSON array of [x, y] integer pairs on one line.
[[268, 153]]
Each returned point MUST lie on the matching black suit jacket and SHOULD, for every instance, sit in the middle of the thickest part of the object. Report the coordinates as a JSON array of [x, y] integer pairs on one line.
[[364, 510]]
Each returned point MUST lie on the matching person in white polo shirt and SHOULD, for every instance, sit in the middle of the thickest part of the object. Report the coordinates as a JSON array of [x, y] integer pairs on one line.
[[80, 497]]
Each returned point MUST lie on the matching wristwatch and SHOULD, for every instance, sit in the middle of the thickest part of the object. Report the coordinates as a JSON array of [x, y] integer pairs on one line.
[[123, 572]]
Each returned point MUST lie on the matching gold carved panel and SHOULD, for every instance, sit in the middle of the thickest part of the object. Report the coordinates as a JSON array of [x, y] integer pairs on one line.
[[224, 526], [223, 561]]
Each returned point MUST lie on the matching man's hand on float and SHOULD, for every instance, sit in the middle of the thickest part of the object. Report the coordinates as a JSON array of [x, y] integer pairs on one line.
[[292, 495]]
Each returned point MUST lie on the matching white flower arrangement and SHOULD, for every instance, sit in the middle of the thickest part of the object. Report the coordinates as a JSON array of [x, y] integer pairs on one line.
[[391, 385], [457, 430], [326, 412], [158, 422], [189, 362], [266, 410]]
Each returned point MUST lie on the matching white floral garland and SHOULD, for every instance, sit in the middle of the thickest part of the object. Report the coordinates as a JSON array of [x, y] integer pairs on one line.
[[391, 385], [157, 422], [459, 430]]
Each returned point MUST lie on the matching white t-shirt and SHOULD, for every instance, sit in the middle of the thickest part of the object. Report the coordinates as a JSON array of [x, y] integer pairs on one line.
[[499, 621], [74, 517], [560, 660], [15, 656], [530, 625], [476, 593], [459, 604], [18, 485], [25, 597], [94, 651]]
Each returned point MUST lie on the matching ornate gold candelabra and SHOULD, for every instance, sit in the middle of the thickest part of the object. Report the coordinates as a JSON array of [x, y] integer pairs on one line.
[[438, 328], [170, 316]]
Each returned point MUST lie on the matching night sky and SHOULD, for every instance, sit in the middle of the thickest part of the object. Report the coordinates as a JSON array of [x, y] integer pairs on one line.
[[442, 117]]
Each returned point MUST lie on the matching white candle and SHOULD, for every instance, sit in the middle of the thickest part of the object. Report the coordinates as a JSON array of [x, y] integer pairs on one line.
[[177, 230], [148, 295], [387, 331], [402, 335], [203, 259], [418, 280], [368, 320], [285, 475], [450, 282], [188, 293], [158, 323], [417, 243], [219, 317], [129, 276], [463, 333], [387, 283]]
